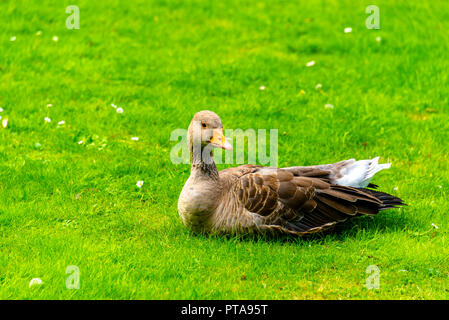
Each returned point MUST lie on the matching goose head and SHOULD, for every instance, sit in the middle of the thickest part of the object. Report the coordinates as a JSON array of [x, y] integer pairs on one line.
[[205, 133]]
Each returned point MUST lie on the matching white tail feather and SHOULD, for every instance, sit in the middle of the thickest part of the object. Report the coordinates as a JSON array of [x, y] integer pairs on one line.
[[358, 174]]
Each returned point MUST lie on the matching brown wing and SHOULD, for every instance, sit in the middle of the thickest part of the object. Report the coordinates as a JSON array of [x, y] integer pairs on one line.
[[302, 204]]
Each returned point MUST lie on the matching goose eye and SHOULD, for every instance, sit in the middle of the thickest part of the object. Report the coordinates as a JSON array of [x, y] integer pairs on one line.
[[203, 124]]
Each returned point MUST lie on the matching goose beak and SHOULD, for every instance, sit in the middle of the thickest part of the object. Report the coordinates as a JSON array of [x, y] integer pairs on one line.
[[219, 141]]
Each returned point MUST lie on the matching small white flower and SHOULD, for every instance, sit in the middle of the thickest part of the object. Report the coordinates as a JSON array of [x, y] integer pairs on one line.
[[35, 281], [1, 109], [47, 119], [38, 33], [55, 38], [440, 187], [80, 142], [310, 63], [135, 138], [318, 86], [0, 117], [114, 106], [262, 88], [434, 225], [49, 105], [328, 106], [348, 30], [403, 270], [38, 145], [61, 122], [378, 39], [13, 38], [119, 110], [395, 188], [139, 183], [5, 122]]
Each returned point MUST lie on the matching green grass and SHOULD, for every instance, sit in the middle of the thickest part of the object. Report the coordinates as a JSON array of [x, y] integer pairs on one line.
[[63, 204]]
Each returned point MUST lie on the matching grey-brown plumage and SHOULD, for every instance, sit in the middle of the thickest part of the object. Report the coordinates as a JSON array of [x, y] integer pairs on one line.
[[257, 199]]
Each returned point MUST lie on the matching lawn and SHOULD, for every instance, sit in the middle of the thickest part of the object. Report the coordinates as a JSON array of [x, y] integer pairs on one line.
[[68, 193]]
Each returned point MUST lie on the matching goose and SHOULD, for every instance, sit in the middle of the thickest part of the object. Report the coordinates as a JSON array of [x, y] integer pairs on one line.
[[254, 199]]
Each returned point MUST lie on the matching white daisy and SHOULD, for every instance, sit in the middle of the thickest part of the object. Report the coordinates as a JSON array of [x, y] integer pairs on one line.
[[328, 106], [61, 122], [310, 63], [1, 109], [38, 33], [318, 86], [114, 106], [49, 105], [348, 30], [35, 281], [139, 183], [80, 142], [55, 38], [5, 122], [262, 88], [378, 39], [395, 188], [47, 119], [119, 110], [13, 38], [135, 138]]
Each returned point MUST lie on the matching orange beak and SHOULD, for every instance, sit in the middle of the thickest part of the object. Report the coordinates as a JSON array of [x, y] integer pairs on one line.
[[219, 141]]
